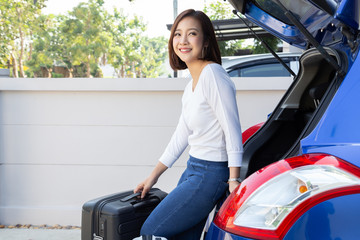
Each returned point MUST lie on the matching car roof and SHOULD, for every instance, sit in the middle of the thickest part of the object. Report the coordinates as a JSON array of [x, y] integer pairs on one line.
[[230, 61]]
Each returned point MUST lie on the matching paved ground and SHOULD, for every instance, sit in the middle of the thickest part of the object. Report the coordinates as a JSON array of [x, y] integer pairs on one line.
[[40, 234]]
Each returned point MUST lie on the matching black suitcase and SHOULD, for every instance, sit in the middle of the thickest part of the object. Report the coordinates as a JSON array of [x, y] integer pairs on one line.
[[118, 216]]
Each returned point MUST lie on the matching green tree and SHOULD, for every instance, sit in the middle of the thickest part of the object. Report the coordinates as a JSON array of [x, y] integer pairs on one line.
[[45, 45], [17, 19], [84, 34], [132, 54], [80, 41], [272, 42], [125, 33], [218, 10], [5, 35], [153, 52]]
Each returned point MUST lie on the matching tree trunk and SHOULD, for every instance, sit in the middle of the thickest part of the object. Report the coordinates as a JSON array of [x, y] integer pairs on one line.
[[122, 71], [14, 65], [31, 47], [21, 67], [87, 46], [118, 72], [88, 72]]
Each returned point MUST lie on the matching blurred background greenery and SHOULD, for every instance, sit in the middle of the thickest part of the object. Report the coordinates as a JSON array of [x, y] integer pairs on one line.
[[78, 43]]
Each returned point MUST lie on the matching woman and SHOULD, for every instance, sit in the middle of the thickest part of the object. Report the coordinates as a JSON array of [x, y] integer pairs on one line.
[[209, 124]]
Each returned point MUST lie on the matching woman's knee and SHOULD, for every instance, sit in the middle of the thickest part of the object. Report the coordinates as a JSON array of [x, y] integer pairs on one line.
[[147, 229]]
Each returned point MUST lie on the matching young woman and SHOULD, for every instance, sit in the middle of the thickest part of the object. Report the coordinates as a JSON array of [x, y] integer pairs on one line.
[[209, 124]]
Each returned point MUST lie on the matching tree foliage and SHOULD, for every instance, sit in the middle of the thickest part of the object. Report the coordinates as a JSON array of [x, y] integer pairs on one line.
[[79, 42], [272, 42], [84, 30], [46, 46], [219, 10], [17, 19]]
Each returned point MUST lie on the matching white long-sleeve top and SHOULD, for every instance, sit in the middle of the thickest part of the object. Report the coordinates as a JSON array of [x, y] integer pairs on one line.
[[209, 121]]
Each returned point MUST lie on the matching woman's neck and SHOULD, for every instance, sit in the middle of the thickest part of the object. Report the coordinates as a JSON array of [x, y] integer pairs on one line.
[[195, 70]]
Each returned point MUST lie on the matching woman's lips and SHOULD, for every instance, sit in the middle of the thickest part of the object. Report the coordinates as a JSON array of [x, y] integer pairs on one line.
[[185, 50]]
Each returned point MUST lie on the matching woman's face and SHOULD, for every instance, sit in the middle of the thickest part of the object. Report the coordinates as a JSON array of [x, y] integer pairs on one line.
[[188, 40]]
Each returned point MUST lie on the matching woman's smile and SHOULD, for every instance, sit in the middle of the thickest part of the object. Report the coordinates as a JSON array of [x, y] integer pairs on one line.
[[188, 40], [184, 50]]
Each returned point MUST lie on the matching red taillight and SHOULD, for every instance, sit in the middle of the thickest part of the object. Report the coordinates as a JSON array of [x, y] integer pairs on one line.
[[272, 177]]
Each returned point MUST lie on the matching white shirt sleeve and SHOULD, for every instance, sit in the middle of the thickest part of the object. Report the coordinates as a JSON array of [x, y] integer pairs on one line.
[[221, 96], [177, 144], [209, 121]]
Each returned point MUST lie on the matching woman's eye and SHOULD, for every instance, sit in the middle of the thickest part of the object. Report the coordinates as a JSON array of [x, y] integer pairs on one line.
[[192, 33], [177, 34]]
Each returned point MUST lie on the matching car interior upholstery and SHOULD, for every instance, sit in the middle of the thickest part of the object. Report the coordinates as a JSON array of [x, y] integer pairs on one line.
[[297, 113]]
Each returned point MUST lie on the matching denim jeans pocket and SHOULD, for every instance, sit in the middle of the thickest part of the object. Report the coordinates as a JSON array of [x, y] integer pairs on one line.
[[220, 190]]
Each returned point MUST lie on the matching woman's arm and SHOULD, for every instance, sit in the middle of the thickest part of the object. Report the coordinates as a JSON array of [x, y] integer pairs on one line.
[[145, 186], [234, 173], [176, 146], [221, 95]]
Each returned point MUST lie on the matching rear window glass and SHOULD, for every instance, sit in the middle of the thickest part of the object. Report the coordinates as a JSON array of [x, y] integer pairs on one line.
[[264, 70], [298, 8]]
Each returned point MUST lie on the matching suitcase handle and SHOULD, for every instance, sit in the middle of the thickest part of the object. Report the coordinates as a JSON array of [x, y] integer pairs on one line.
[[135, 195], [127, 198]]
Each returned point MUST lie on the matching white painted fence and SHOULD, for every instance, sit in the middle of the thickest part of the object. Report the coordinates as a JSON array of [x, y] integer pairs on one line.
[[66, 141]]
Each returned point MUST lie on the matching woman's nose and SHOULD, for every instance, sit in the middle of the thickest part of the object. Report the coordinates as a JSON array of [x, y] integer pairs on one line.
[[183, 39]]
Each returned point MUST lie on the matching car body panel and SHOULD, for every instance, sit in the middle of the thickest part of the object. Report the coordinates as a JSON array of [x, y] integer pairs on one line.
[[322, 26], [250, 131], [216, 233], [231, 63], [326, 220], [348, 13], [335, 128], [261, 65], [323, 221], [333, 135], [283, 31]]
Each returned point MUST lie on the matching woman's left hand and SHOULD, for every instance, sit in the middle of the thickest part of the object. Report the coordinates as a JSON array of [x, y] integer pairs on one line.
[[233, 185]]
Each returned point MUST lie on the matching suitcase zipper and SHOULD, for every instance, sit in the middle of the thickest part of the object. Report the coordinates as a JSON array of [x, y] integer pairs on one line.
[[97, 212], [96, 226]]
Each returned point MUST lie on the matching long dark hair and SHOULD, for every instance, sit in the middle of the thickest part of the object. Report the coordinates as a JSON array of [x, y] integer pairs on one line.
[[211, 51]]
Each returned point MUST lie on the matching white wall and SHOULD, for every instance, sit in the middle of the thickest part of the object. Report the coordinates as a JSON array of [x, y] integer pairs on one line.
[[66, 141]]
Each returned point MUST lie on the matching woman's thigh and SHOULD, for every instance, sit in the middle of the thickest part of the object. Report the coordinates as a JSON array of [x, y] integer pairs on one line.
[[188, 204]]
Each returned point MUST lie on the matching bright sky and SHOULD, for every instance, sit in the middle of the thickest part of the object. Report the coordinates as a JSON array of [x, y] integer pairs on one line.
[[156, 13]]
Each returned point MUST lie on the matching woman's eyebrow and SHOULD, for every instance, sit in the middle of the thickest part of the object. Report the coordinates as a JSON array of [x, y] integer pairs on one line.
[[194, 29], [189, 29]]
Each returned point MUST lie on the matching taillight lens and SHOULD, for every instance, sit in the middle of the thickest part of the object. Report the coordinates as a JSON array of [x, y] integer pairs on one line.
[[268, 202]]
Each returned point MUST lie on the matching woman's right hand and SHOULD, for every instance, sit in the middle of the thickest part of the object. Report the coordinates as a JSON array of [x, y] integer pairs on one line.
[[145, 186]]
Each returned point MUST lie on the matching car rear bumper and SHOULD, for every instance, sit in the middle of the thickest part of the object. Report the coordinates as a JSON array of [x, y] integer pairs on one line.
[[215, 233]]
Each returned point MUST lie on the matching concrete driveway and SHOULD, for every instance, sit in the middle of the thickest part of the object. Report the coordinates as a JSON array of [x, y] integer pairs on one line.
[[40, 234]]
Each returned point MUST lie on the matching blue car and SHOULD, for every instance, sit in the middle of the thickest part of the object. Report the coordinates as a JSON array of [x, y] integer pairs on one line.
[[301, 169]]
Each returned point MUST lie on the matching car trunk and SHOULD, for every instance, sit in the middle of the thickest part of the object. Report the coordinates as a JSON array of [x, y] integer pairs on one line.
[[297, 113]]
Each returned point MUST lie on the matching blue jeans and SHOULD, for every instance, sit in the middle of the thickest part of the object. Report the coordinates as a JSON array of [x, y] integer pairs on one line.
[[183, 213]]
